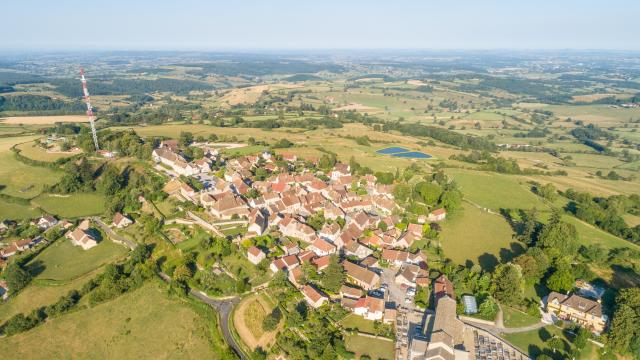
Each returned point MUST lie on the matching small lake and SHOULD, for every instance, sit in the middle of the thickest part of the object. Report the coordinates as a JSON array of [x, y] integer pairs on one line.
[[392, 150], [402, 152]]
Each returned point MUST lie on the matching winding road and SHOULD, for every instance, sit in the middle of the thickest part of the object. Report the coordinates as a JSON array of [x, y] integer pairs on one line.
[[224, 307]]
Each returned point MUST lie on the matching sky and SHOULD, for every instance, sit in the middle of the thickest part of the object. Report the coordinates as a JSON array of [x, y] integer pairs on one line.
[[321, 24]]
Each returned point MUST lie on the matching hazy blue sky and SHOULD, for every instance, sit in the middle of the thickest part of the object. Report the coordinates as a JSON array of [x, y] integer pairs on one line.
[[274, 24]]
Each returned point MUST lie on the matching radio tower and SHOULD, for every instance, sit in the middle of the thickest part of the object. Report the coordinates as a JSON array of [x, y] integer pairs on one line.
[[89, 109]]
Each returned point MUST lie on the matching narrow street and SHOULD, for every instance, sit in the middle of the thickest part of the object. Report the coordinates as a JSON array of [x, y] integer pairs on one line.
[[113, 235]]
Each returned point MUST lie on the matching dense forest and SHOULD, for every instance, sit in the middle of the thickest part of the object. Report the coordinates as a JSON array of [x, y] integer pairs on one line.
[[71, 87], [37, 103]]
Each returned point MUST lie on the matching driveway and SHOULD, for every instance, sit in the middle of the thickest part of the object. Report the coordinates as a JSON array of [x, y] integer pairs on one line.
[[113, 235]]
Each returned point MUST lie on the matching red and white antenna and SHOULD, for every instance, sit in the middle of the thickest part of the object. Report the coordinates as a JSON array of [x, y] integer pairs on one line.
[[92, 118]]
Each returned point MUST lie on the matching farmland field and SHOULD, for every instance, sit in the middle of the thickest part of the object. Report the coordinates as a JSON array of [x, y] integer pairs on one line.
[[142, 324], [43, 120], [62, 261], [71, 206], [474, 235], [496, 191], [19, 179], [17, 211]]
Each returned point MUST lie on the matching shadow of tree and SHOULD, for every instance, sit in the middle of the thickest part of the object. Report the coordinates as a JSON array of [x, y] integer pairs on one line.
[[488, 262], [35, 267]]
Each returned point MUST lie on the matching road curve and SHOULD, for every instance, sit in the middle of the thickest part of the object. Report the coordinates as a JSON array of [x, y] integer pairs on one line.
[[224, 307]]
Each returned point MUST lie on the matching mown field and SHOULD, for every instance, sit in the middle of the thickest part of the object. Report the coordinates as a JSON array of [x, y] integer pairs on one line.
[[33, 151], [21, 180], [62, 261], [496, 191], [71, 206], [374, 348], [142, 324], [477, 236]]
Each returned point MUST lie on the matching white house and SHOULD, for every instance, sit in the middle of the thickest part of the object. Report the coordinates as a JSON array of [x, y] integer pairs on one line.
[[80, 237], [370, 308], [255, 255], [120, 221]]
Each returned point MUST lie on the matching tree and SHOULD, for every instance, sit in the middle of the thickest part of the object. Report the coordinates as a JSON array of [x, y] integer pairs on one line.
[[624, 332], [429, 192], [451, 197], [17, 277], [507, 284], [561, 280], [333, 276], [582, 336], [556, 344], [272, 320], [559, 237], [186, 138]]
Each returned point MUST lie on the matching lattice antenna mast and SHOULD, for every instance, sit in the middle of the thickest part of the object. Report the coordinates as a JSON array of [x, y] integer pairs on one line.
[[92, 118]]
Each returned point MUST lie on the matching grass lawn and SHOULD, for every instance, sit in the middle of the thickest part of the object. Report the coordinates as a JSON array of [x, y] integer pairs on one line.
[[589, 234], [62, 261], [495, 191], [37, 295], [474, 235], [32, 151], [517, 318], [142, 324], [375, 348], [17, 211], [353, 321], [72, 206], [19, 179], [238, 263], [253, 315], [534, 342]]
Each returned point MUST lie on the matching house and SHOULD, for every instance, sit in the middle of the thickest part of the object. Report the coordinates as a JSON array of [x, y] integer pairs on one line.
[[255, 255], [442, 286], [362, 277], [585, 312], [313, 297], [81, 237], [8, 251], [229, 206], [370, 308], [437, 215], [410, 275], [340, 170], [321, 263], [46, 221], [395, 257], [322, 247], [295, 276], [257, 222], [170, 144], [120, 221], [330, 231], [285, 263], [350, 292], [357, 250], [23, 244]]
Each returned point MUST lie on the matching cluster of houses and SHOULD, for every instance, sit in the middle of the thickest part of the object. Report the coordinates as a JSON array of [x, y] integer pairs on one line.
[[44, 223], [167, 154], [360, 216]]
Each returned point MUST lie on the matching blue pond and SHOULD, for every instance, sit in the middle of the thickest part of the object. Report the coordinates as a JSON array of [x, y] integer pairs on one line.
[[402, 152], [412, 154], [391, 150]]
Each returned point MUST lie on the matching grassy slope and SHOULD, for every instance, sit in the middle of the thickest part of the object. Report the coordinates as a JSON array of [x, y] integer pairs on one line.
[[516, 318], [75, 205], [142, 324], [17, 211], [40, 294], [475, 235], [20, 179], [62, 261], [533, 342], [495, 191], [32, 151]]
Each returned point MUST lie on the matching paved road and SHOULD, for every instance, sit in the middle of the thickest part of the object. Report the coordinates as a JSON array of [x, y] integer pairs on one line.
[[224, 308], [113, 235]]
